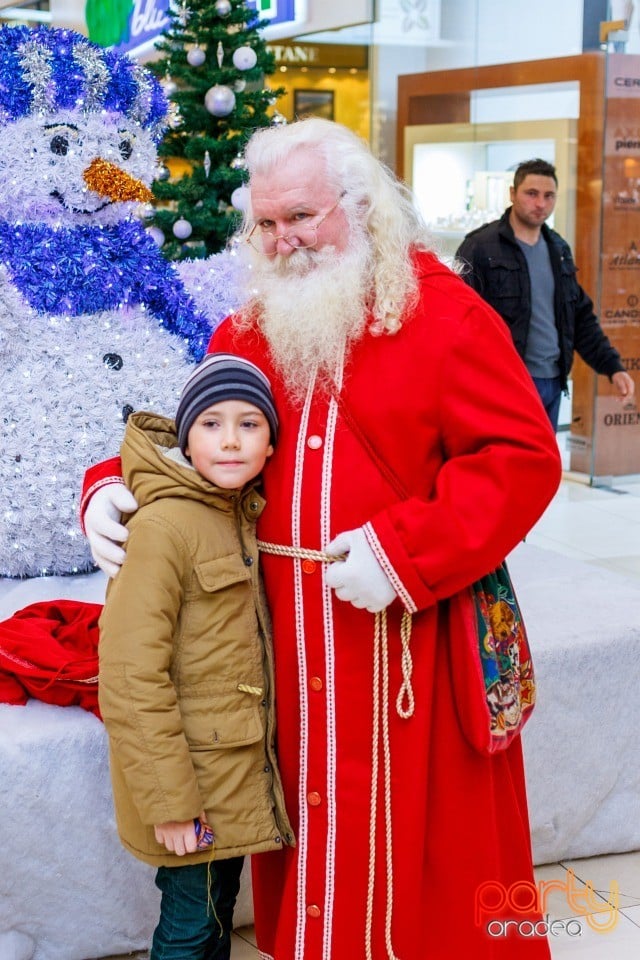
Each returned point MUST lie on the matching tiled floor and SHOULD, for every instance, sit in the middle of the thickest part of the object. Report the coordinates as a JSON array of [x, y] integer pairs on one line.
[[600, 526]]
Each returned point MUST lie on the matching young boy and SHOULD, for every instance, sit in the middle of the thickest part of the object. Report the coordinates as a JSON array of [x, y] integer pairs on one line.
[[185, 686]]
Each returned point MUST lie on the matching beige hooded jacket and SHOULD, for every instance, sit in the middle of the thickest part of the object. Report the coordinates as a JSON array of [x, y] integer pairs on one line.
[[186, 688]]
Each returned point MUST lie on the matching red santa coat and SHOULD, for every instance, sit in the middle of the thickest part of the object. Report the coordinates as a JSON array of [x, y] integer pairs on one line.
[[449, 405]]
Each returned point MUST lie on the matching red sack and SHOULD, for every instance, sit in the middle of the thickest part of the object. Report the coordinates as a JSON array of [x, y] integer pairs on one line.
[[49, 651]]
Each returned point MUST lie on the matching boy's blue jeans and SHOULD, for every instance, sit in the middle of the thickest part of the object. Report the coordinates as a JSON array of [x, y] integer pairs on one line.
[[196, 910]]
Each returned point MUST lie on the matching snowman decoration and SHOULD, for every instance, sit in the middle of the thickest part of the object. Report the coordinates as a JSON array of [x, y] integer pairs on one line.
[[94, 322]]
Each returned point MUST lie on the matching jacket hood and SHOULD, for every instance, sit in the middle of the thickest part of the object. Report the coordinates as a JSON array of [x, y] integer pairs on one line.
[[153, 467]]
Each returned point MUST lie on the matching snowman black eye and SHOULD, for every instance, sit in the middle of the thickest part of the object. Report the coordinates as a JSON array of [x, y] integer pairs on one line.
[[59, 144], [126, 149]]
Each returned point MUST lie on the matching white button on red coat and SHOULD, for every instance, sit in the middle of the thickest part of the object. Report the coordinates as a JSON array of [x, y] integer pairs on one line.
[[314, 442]]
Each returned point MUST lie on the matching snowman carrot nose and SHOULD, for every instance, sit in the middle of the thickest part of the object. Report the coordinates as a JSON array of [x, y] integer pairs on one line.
[[110, 181]]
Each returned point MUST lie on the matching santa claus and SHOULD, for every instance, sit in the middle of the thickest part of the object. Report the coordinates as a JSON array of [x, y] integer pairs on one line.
[[415, 453]]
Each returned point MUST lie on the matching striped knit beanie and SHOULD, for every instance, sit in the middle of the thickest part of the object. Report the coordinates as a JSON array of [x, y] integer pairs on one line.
[[223, 376]]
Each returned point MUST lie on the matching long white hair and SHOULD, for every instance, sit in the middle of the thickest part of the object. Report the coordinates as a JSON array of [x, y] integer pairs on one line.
[[374, 200]]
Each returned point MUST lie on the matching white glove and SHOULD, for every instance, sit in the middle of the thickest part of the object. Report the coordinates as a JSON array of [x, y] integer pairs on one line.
[[102, 524], [359, 578]]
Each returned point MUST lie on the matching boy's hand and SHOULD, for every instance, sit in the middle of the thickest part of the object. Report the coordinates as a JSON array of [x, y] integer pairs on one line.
[[177, 836]]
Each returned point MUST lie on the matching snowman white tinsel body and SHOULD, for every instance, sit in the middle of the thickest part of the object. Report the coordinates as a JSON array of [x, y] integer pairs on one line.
[[94, 322]]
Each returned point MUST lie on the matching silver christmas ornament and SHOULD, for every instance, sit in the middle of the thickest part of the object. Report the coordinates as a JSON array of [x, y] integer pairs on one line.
[[239, 85], [240, 198], [206, 163], [220, 54], [196, 56], [162, 173], [278, 120], [169, 86], [222, 8], [182, 229], [244, 58], [157, 235], [220, 100]]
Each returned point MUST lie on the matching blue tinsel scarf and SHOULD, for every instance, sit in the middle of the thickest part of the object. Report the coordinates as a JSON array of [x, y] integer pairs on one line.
[[85, 269]]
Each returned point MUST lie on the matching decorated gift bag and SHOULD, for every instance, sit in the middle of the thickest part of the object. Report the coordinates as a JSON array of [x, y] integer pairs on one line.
[[492, 669]]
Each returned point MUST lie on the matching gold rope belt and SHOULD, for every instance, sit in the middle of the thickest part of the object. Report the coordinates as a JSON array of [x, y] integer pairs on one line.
[[405, 705]]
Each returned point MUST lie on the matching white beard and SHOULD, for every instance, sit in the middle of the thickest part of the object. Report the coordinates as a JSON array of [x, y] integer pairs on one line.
[[313, 305]]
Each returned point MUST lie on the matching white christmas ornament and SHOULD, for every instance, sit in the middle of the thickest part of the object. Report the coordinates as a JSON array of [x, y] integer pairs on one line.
[[220, 100], [169, 86], [222, 8], [182, 229], [157, 235], [196, 56], [240, 198], [244, 58]]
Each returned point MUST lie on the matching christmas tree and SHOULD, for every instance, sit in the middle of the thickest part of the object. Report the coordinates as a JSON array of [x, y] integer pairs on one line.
[[213, 68]]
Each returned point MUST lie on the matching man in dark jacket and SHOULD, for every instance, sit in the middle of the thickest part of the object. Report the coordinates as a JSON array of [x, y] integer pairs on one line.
[[526, 272]]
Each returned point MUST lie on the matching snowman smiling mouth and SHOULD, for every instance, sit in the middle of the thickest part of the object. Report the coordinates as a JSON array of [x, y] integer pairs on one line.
[[61, 200]]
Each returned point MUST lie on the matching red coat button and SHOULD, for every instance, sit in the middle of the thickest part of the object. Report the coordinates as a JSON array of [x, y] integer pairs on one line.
[[314, 799], [308, 566], [313, 910], [316, 684]]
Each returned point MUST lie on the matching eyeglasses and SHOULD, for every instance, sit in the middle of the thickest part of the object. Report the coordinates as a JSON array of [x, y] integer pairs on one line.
[[302, 236]]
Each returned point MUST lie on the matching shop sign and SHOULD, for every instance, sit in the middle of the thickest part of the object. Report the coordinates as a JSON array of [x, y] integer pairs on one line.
[[142, 23], [629, 313], [622, 200], [275, 11], [341, 55], [623, 141], [628, 259], [301, 55], [630, 418], [623, 76]]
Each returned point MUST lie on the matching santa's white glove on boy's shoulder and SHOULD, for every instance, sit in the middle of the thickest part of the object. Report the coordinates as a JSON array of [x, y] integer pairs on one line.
[[103, 525], [359, 578]]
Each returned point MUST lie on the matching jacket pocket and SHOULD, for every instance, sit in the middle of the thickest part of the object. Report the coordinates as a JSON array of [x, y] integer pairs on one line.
[[504, 278], [223, 572], [222, 722]]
